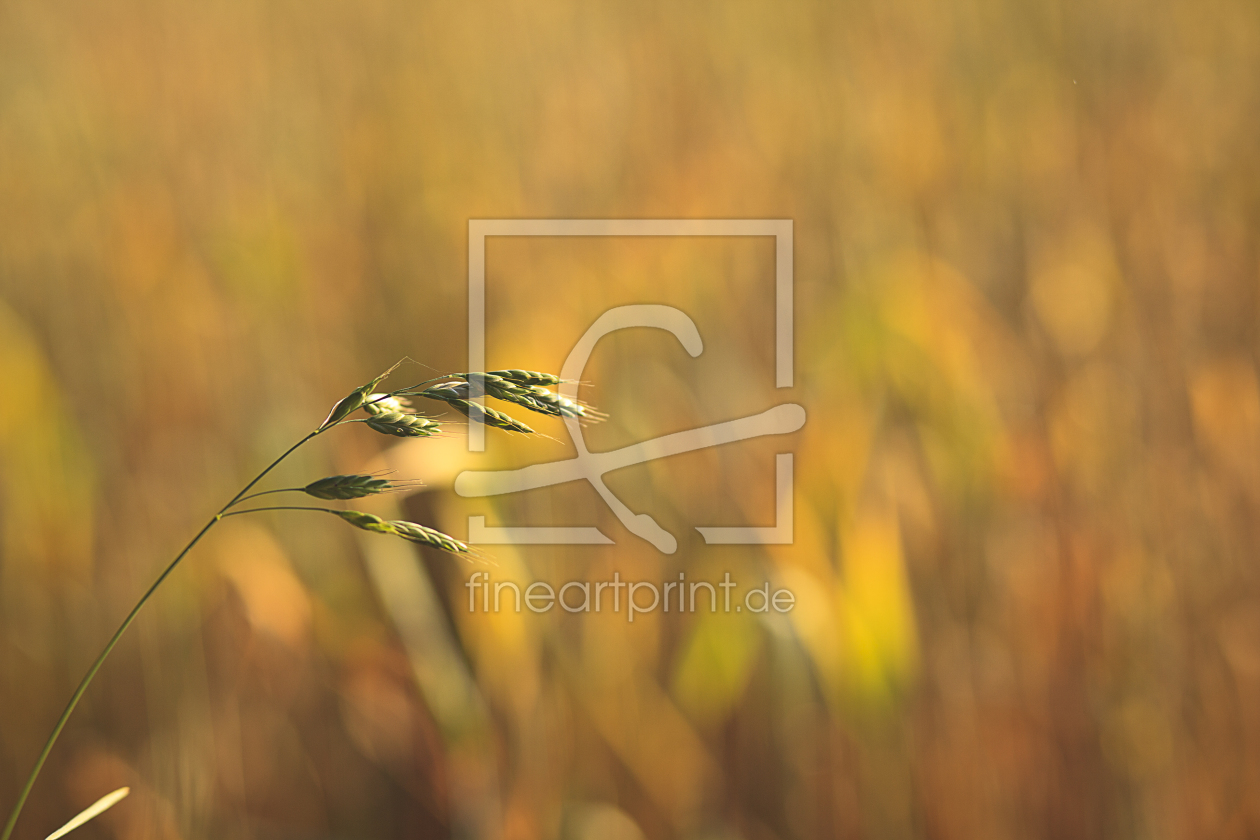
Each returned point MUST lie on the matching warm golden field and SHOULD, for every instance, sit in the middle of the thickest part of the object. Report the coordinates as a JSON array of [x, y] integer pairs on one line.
[[1027, 494]]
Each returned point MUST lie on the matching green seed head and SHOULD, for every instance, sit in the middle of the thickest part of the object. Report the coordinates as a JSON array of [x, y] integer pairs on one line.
[[539, 399], [399, 424], [343, 409], [410, 531], [381, 403], [446, 392], [423, 535], [532, 397], [354, 400], [456, 396], [365, 521], [549, 402], [526, 377], [347, 487], [491, 417]]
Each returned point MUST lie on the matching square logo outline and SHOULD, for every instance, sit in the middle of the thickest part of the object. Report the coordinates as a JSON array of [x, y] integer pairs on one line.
[[780, 229]]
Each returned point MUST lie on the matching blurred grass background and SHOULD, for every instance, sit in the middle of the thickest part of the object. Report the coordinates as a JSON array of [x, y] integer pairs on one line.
[[1027, 598]]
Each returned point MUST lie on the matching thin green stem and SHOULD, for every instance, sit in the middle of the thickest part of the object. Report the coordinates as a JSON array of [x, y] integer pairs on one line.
[[406, 392], [131, 616], [122, 628], [271, 467], [276, 507], [268, 493], [87, 680]]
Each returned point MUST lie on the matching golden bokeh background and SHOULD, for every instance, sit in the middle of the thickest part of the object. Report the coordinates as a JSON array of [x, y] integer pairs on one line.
[[1026, 494]]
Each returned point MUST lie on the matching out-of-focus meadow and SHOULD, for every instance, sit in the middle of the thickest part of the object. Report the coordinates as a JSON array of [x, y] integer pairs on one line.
[[1026, 494]]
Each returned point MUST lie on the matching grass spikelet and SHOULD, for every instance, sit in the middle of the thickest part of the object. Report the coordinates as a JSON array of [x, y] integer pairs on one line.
[[341, 487], [343, 409], [520, 390], [364, 521], [455, 396], [491, 417], [410, 531], [376, 404], [526, 377], [423, 535], [354, 400], [549, 402], [398, 424]]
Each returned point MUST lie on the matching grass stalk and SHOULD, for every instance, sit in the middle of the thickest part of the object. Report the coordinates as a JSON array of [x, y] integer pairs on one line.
[[11, 824], [389, 418]]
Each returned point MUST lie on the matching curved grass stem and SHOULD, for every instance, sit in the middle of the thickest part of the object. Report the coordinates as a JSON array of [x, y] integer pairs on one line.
[[225, 511], [268, 493], [276, 507], [122, 628]]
